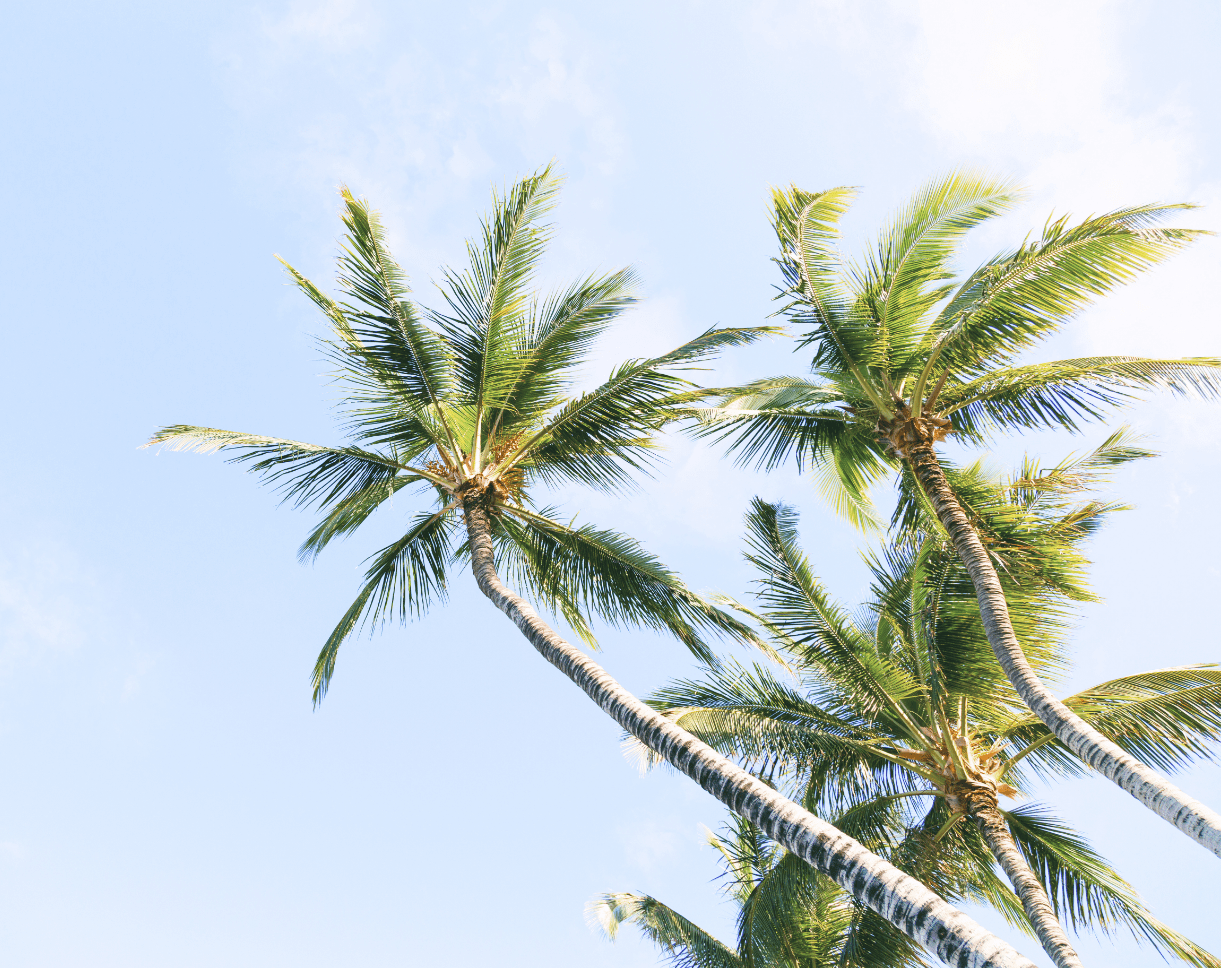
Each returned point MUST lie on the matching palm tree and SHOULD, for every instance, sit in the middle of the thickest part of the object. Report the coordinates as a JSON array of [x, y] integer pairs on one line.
[[906, 702], [786, 918], [470, 406], [904, 358]]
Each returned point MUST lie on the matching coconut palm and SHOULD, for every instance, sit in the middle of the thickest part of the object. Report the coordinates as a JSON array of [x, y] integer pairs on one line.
[[905, 704], [905, 358], [786, 918], [472, 408]]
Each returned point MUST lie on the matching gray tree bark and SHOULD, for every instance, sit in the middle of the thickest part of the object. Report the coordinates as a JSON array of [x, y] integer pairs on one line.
[[912, 907], [1095, 749], [983, 808]]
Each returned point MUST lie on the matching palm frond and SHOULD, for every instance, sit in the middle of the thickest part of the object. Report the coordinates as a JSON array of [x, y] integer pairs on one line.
[[1036, 487], [827, 639], [602, 435], [307, 474], [487, 325], [403, 579], [1068, 392], [682, 942], [1086, 892], [844, 476], [382, 345], [557, 335], [585, 571], [793, 915], [872, 941], [907, 276], [347, 515], [1020, 297], [1167, 718], [771, 421], [807, 228], [773, 730]]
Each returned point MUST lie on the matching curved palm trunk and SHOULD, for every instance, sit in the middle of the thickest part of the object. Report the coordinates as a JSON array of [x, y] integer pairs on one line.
[[983, 808], [1095, 749], [908, 904]]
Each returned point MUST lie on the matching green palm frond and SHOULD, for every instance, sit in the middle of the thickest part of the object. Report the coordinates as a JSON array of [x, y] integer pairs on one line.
[[599, 437], [1167, 718], [347, 514], [908, 275], [307, 474], [881, 816], [824, 635], [1035, 487], [683, 942], [816, 293], [932, 624], [488, 300], [382, 344], [388, 354], [586, 571], [1021, 297], [845, 480], [772, 729], [1067, 393], [403, 579], [1086, 892], [769, 422], [793, 915], [873, 942], [557, 335]]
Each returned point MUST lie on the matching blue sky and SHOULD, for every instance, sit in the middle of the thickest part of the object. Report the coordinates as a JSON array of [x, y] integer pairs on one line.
[[172, 799]]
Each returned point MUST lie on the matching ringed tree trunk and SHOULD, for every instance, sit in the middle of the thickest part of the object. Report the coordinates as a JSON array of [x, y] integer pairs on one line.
[[1095, 749], [982, 805], [949, 934]]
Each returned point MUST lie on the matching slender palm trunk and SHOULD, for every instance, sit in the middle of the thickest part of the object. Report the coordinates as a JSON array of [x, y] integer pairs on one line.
[[949, 934], [983, 808], [1095, 749]]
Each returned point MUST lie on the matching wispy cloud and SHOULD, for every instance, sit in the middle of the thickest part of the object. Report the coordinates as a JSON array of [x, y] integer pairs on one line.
[[45, 597], [410, 111]]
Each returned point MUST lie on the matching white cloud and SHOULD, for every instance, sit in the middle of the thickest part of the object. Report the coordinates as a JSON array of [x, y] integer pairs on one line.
[[334, 24], [983, 71], [44, 597], [1044, 94], [552, 93], [408, 114]]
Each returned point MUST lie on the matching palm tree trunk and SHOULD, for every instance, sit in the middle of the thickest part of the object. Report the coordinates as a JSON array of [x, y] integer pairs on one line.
[[983, 807], [949, 934], [1095, 749]]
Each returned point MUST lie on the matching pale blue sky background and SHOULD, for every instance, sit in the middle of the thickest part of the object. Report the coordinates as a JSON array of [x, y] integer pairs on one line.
[[170, 797]]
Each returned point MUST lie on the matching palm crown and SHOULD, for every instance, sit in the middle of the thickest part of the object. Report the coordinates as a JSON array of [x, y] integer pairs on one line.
[[478, 398], [904, 354], [905, 701]]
